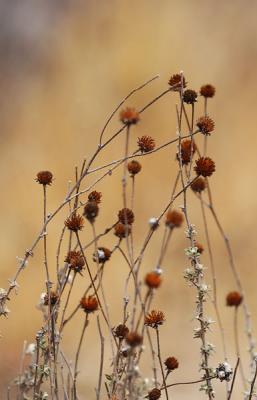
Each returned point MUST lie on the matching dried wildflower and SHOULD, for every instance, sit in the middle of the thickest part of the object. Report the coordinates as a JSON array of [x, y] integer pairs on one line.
[[175, 82], [155, 394], [187, 151], [129, 116], [190, 96], [75, 260], [207, 91], [198, 185], [199, 247], [153, 222], [171, 363], [146, 144], [154, 319], [122, 230], [44, 177], [153, 280], [89, 304], [103, 254], [133, 339], [224, 372], [134, 167], [126, 216], [174, 219], [95, 196], [75, 223], [204, 166], [53, 298], [205, 125], [234, 299], [121, 331], [91, 211]]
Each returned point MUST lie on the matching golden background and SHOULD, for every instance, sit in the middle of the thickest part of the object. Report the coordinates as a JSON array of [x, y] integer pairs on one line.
[[63, 68]]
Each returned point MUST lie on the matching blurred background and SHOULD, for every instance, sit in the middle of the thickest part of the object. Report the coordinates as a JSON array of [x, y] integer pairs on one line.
[[64, 65]]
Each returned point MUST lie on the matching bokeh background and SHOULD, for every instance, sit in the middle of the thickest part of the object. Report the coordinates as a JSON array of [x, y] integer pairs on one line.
[[64, 65]]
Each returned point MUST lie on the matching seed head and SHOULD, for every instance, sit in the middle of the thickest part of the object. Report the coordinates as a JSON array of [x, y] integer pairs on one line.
[[205, 124], [122, 230], [175, 82], [171, 363], [153, 280], [126, 216], [189, 96], [53, 298], [44, 177], [154, 319], [204, 166], [89, 304], [207, 91], [121, 331], [133, 339], [75, 260], [134, 167], [129, 116], [198, 185], [234, 299], [75, 223], [155, 394], [174, 219], [95, 196], [91, 210], [187, 149], [103, 255], [146, 144], [200, 247]]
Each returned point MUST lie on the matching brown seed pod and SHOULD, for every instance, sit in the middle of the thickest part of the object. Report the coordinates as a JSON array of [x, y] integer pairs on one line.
[[134, 167], [204, 166], [234, 299], [207, 91], [190, 96], [146, 144], [53, 298], [205, 125], [174, 219], [121, 331], [175, 82], [75, 260], [200, 247], [95, 196], [103, 255], [153, 280], [199, 185], [187, 149], [126, 216], [154, 319], [91, 211], [75, 223], [44, 177], [122, 230], [171, 363], [155, 394], [89, 304], [133, 339], [129, 116]]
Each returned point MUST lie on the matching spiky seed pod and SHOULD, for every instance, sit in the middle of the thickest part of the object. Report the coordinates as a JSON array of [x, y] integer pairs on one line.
[[190, 96], [200, 247], [204, 166], [175, 82], [207, 91], [91, 211], [126, 216], [95, 196], [155, 394], [205, 124], [44, 177], [122, 230], [187, 149], [89, 304], [171, 363], [174, 219], [154, 319], [153, 280], [129, 116], [121, 331], [133, 339], [75, 260], [134, 167], [199, 185], [234, 299], [103, 255], [146, 144], [75, 223], [53, 298]]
